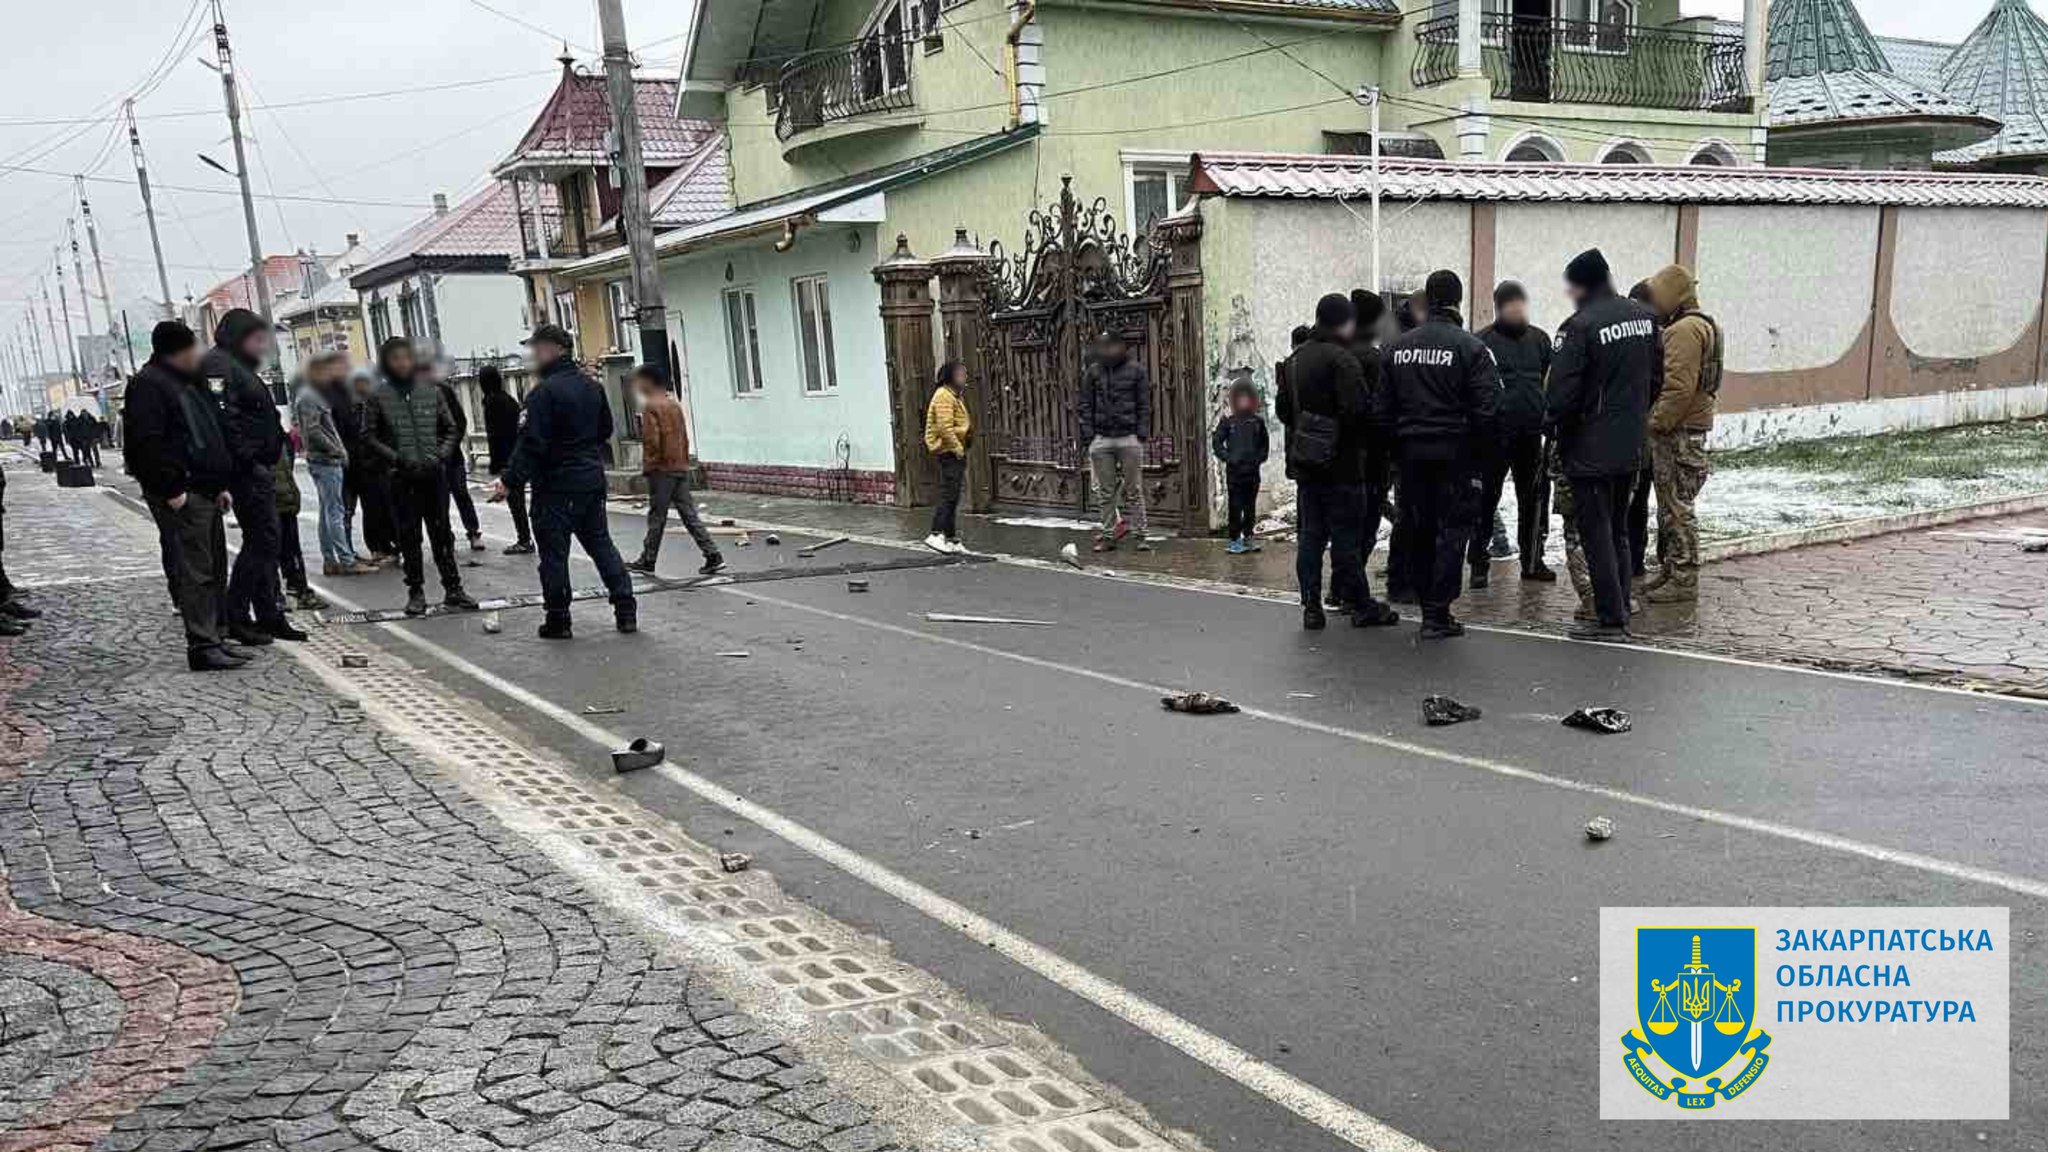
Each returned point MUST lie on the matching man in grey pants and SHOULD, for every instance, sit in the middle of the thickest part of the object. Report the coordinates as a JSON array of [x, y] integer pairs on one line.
[[1114, 410], [665, 461]]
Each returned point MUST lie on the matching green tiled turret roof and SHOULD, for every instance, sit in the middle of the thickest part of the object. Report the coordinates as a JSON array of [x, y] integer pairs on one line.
[[2003, 69], [1809, 37], [1823, 68]]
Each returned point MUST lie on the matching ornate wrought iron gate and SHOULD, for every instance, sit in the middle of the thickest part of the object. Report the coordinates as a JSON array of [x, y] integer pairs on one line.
[[1076, 275]]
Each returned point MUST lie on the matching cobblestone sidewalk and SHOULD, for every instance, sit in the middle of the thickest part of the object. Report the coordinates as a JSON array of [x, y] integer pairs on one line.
[[235, 916]]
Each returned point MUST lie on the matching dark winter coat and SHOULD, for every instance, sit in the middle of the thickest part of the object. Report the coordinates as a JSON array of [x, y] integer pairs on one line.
[[347, 417], [501, 427], [1240, 442], [248, 410], [1608, 368], [409, 427], [1523, 357], [1115, 400], [1439, 390], [1328, 381], [568, 423], [454, 401], [175, 442]]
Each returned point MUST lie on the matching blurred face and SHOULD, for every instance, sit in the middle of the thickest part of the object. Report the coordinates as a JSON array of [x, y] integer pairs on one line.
[[1578, 295], [256, 345], [1514, 312], [647, 386], [401, 364], [958, 379], [1244, 401], [187, 361], [1346, 332], [545, 354]]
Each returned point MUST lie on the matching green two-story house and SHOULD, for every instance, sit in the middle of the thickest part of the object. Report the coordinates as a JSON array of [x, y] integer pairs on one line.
[[854, 122]]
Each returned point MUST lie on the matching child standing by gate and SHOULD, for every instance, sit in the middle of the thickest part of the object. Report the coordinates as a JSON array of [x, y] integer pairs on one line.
[[1240, 443]]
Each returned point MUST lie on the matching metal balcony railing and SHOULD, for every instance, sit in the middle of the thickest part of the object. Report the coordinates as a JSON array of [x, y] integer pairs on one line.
[[823, 87], [534, 226], [1544, 60]]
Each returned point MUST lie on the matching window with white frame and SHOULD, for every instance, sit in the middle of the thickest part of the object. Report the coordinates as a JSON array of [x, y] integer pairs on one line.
[[620, 315], [1153, 191], [883, 63], [743, 341], [565, 311], [813, 308], [1600, 25]]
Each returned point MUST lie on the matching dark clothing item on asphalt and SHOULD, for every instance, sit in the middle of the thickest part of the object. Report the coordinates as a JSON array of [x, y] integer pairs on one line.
[[409, 427], [1240, 442], [501, 428], [252, 584], [946, 513], [672, 489], [1608, 368], [175, 442], [1439, 392], [249, 420], [1522, 355], [419, 506], [557, 517], [1328, 516], [1329, 415], [1436, 493], [568, 424], [1601, 504], [195, 548], [1115, 401]]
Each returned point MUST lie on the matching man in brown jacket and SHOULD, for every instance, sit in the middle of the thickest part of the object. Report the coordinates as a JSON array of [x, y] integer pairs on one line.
[[1680, 419], [665, 460]]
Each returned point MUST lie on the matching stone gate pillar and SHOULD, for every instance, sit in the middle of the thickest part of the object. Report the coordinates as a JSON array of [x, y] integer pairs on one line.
[[963, 324], [906, 284]]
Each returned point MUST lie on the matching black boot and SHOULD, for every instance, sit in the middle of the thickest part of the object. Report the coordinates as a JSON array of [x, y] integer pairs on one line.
[[1540, 572], [627, 618], [1312, 617], [1480, 577], [1374, 614], [415, 602], [12, 627], [248, 635], [457, 598], [281, 629], [712, 563], [555, 628], [211, 660], [18, 610], [640, 564], [1443, 627]]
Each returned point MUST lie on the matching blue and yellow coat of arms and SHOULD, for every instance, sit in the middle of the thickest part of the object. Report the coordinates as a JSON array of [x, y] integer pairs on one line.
[[1695, 1000]]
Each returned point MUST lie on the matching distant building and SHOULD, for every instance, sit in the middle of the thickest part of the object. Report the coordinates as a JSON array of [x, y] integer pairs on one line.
[[325, 314], [447, 281], [282, 273]]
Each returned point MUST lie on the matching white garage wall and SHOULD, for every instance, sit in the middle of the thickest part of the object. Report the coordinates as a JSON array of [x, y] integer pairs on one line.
[[1533, 243], [1790, 285], [1967, 282]]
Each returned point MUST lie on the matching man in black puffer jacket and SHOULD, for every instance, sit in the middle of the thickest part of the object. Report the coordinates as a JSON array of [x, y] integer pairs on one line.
[[255, 438], [1608, 369], [1114, 411], [410, 429], [1330, 412], [1523, 355]]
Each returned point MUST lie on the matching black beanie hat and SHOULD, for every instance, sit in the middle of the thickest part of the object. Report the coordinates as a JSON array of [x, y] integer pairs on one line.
[[1443, 289], [171, 337], [1509, 290], [1588, 270], [1367, 306], [1333, 312], [1302, 334]]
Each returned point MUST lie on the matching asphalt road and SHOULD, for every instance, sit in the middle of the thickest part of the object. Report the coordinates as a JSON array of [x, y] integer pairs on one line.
[[1404, 917]]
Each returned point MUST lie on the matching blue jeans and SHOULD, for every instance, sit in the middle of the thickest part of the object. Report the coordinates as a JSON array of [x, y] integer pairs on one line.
[[334, 545], [557, 516]]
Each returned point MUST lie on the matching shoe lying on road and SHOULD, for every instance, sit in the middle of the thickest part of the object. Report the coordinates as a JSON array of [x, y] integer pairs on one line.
[[457, 598], [521, 548], [212, 660], [641, 753]]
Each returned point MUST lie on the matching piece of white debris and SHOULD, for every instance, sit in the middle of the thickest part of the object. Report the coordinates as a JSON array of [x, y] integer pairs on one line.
[[737, 654], [772, 539], [354, 660], [735, 861], [492, 624], [1071, 554], [1600, 828], [959, 618]]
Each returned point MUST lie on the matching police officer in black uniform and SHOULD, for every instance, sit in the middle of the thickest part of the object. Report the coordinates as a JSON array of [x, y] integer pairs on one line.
[[1439, 395], [1607, 370]]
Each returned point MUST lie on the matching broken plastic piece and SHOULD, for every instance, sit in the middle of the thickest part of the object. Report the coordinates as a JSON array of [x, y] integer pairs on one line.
[[492, 625], [603, 709], [1438, 711], [1071, 554], [641, 753], [1197, 704], [856, 585], [735, 861], [737, 654], [1603, 720], [354, 660], [772, 538], [834, 542], [960, 618], [727, 522], [2035, 546], [1600, 828]]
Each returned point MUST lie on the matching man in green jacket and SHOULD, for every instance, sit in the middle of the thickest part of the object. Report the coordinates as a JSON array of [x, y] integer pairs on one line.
[[411, 430]]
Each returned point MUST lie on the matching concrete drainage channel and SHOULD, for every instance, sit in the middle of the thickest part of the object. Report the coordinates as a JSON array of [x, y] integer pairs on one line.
[[944, 1073]]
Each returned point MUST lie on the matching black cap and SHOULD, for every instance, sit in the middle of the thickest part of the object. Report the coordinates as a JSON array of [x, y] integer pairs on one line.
[[1367, 307], [1588, 270], [1443, 289], [1508, 290], [171, 337], [551, 334], [1334, 311]]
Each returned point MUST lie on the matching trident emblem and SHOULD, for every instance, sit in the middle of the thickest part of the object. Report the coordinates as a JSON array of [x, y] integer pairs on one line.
[[1700, 998]]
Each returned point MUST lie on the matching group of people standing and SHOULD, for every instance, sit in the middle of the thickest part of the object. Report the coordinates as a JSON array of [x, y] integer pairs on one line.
[[1433, 420], [75, 436]]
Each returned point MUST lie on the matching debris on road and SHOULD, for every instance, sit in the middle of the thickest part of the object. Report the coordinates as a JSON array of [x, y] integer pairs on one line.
[[1438, 711], [1602, 720], [603, 709], [856, 585], [1071, 554], [2035, 546], [745, 540], [727, 522], [735, 861], [814, 549], [1600, 828], [1301, 695], [771, 539], [641, 753], [1197, 704], [737, 654], [354, 660], [961, 618], [492, 624]]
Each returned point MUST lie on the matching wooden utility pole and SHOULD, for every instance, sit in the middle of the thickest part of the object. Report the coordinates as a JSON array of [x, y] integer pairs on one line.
[[156, 244], [99, 271], [50, 319], [260, 288], [64, 305], [634, 217]]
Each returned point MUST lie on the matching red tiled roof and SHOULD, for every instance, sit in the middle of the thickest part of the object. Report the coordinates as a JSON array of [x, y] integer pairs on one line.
[[574, 123], [1350, 177], [483, 226], [281, 272], [698, 191]]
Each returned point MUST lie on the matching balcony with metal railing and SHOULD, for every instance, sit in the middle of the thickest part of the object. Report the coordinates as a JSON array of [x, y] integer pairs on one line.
[[541, 234], [842, 84], [1545, 60]]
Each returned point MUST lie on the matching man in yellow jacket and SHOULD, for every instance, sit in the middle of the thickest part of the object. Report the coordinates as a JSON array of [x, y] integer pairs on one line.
[[946, 428], [1680, 419]]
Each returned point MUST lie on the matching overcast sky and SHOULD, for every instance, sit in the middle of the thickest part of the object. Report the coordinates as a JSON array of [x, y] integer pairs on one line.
[[395, 151]]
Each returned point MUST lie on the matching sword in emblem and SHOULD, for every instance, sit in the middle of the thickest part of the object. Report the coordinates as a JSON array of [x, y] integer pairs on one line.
[[1697, 996], [1695, 1046]]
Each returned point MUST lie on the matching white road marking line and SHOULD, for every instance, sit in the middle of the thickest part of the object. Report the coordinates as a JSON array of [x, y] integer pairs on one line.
[[1311, 1103], [2011, 883]]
